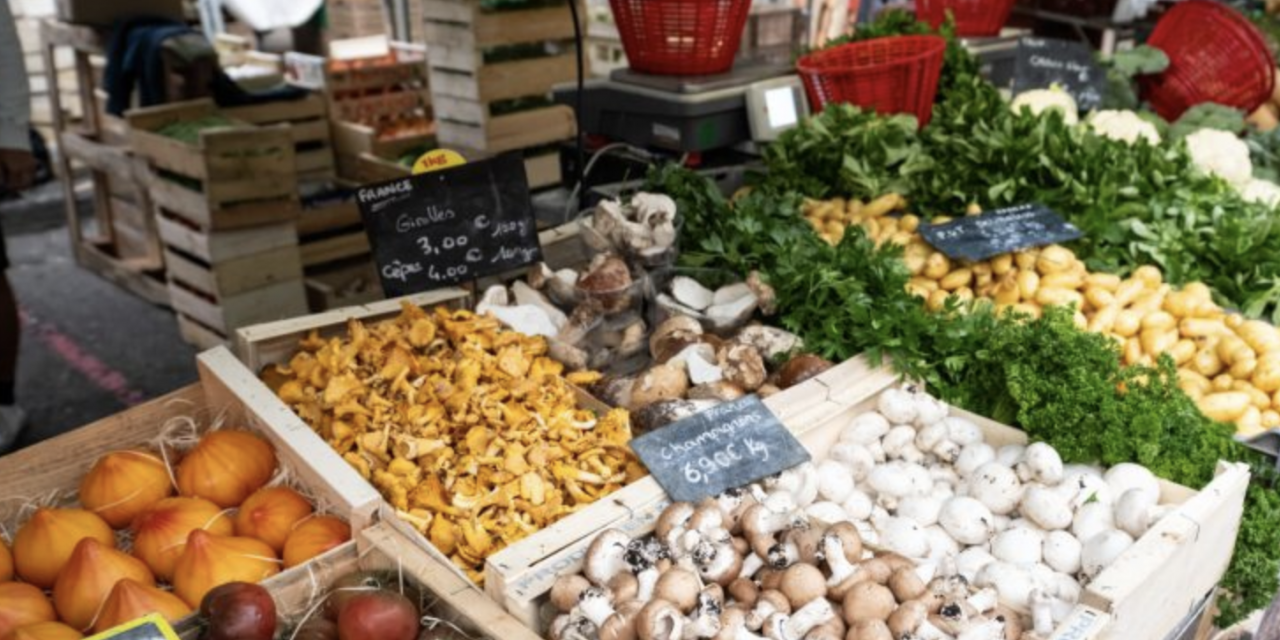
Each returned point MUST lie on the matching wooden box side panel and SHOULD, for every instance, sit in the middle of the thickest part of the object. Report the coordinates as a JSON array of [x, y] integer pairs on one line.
[[227, 383], [491, 29], [458, 124], [1154, 584], [276, 342], [503, 80]]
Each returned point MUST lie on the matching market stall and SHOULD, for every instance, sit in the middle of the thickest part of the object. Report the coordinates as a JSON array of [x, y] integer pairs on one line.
[[966, 358]]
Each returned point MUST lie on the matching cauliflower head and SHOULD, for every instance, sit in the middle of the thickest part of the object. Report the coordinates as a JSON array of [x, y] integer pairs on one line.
[[1221, 153], [1053, 98], [1262, 192], [1125, 126]]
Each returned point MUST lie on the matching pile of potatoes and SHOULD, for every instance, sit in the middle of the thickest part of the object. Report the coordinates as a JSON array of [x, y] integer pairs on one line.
[[1229, 365]]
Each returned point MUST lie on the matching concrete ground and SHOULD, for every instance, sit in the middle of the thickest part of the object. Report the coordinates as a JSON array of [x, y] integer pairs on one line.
[[89, 349]]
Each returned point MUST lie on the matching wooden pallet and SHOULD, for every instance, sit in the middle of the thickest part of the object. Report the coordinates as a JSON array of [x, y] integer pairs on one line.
[[222, 280], [1143, 595], [465, 88], [308, 120], [53, 469], [237, 177]]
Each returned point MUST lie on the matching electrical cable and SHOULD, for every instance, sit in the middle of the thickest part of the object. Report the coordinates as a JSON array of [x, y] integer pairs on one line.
[[577, 107], [595, 157]]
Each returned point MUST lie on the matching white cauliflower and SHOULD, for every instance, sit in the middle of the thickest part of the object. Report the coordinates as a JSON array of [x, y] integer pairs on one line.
[[1125, 126], [1041, 100], [1261, 191], [1221, 153]]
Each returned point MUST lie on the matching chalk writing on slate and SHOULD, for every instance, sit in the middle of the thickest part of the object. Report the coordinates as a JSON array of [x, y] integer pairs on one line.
[[1042, 62], [726, 446], [999, 231], [437, 229]]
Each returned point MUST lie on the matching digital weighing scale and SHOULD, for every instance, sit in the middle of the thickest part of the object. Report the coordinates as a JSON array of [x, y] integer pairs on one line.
[[691, 114]]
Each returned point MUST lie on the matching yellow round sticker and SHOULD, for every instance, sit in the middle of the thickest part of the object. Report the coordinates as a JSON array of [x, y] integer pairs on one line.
[[437, 160]]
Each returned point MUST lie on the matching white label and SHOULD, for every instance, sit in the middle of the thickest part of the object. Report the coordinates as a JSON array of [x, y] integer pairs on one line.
[[780, 105]]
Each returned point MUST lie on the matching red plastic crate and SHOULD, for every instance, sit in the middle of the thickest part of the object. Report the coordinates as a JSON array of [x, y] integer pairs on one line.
[[890, 75], [1215, 55], [680, 37], [973, 17]]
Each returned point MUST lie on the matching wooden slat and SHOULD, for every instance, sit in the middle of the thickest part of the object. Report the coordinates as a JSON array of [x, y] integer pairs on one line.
[[197, 335], [232, 277], [331, 217], [341, 247], [194, 207], [275, 301], [499, 27], [503, 80], [220, 246], [310, 107], [344, 285], [543, 171], [504, 133]]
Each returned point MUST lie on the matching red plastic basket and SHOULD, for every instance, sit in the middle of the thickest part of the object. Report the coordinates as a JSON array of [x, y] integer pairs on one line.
[[680, 37], [1215, 55], [891, 75], [973, 17]]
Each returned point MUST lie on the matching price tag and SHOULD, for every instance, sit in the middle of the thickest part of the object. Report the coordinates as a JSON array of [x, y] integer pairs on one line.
[[999, 231], [1042, 62], [437, 160], [152, 626], [450, 225], [727, 446]]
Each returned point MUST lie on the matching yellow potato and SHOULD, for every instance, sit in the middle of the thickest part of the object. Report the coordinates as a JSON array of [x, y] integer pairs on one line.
[[1250, 422], [923, 283], [1260, 336], [1200, 327], [1151, 300], [936, 266], [902, 238], [1232, 350], [1157, 341], [1159, 320], [1150, 275], [1054, 259], [937, 300], [1190, 379], [982, 280], [1225, 406], [1127, 323], [973, 209], [1099, 297], [1047, 297], [1080, 321], [1223, 382], [1028, 284], [883, 205], [1207, 363], [1270, 419], [1063, 280], [1182, 351], [963, 293], [1006, 292], [1266, 377], [1243, 369], [1026, 259], [1257, 398], [941, 219], [1106, 281], [918, 291], [1132, 350], [909, 223], [1002, 264], [914, 262], [956, 279], [1129, 290], [1181, 304], [1198, 289], [853, 209], [1104, 319], [1234, 321], [1029, 309]]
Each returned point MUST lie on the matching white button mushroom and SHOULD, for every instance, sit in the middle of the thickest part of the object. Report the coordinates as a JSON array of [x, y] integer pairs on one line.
[[962, 432], [1045, 507], [966, 519], [897, 405], [898, 442], [858, 506], [1011, 454], [1133, 511], [1126, 476], [941, 544], [972, 457], [1041, 463], [1092, 519], [865, 429], [826, 512], [904, 537], [835, 480], [996, 486], [1101, 550], [1014, 584], [971, 561], [856, 456], [929, 410], [1017, 545], [922, 509], [1062, 552]]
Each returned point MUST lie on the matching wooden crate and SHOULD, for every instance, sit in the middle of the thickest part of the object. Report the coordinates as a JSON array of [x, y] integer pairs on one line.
[[353, 141], [1143, 595], [308, 120], [232, 178], [381, 548], [465, 88], [344, 284], [220, 281], [51, 470]]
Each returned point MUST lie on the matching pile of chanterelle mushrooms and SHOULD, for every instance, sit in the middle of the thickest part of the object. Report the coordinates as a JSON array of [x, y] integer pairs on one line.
[[975, 542]]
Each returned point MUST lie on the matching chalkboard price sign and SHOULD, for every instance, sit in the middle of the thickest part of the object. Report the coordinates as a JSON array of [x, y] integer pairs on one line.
[[152, 626], [1042, 62], [459, 224], [999, 231], [727, 446]]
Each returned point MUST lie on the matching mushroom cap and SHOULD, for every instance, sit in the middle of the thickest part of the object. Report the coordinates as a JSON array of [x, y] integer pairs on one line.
[[661, 382], [878, 570], [803, 583], [622, 624], [565, 591], [742, 365], [869, 630], [850, 539], [659, 620], [676, 329], [721, 390], [624, 586], [906, 585], [744, 591], [800, 369], [680, 587], [677, 514], [868, 601], [907, 617], [605, 556], [775, 599]]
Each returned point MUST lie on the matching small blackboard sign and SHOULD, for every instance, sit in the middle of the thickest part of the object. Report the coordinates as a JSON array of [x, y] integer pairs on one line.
[[999, 231], [149, 627], [458, 224], [1042, 62], [726, 446]]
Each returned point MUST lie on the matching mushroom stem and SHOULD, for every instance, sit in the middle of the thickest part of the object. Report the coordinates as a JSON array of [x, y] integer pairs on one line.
[[1041, 613], [647, 579], [780, 626], [837, 561], [986, 630], [594, 605]]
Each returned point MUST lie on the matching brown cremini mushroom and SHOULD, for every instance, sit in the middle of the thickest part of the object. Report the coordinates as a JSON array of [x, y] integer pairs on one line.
[[680, 587], [565, 591], [868, 601], [803, 583]]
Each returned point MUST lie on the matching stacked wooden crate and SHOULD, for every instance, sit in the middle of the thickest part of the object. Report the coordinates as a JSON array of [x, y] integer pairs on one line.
[[122, 244], [491, 74], [308, 120], [336, 258], [27, 16], [381, 110], [226, 205], [356, 18]]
